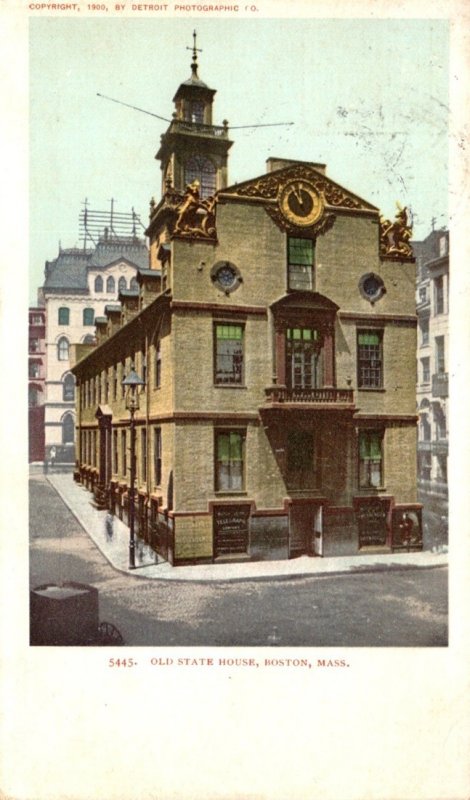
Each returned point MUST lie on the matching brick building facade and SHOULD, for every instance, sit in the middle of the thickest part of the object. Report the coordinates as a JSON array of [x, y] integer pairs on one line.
[[275, 330]]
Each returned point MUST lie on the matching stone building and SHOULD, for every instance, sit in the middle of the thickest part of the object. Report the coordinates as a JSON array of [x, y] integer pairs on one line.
[[432, 298], [78, 284], [36, 381], [275, 331]]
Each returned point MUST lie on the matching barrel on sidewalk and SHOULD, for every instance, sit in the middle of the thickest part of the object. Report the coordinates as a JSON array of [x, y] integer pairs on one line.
[[65, 614]]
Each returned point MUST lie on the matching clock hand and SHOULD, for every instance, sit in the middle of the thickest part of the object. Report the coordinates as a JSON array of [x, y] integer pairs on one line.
[[297, 191]]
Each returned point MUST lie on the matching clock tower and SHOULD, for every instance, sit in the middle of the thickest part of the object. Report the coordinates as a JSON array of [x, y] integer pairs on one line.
[[193, 148]]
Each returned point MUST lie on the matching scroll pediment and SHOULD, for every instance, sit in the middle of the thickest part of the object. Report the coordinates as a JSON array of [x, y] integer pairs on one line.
[[271, 185]]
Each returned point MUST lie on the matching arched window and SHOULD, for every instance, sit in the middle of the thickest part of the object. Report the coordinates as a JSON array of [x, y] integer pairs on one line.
[[68, 388], [133, 284], [64, 316], [110, 284], [201, 169], [63, 349], [98, 284], [88, 316], [122, 285], [68, 429], [196, 111]]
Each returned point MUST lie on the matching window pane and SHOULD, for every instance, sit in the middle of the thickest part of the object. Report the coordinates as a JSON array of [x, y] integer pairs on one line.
[[229, 467], [229, 354], [369, 353], [300, 251]]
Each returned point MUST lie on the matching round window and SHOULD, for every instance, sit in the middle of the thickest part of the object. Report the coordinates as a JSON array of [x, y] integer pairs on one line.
[[226, 276], [371, 287]]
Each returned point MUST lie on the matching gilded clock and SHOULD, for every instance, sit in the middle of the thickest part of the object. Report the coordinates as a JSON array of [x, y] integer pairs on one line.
[[300, 203]]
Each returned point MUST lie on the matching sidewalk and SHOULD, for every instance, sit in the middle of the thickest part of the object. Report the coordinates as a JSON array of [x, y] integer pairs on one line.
[[149, 565]]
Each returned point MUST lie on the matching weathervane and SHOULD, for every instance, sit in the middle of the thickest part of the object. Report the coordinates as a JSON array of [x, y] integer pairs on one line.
[[195, 50], [194, 68]]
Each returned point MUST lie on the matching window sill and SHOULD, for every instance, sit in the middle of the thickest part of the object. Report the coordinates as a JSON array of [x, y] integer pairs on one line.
[[230, 386], [369, 489], [371, 389], [231, 494]]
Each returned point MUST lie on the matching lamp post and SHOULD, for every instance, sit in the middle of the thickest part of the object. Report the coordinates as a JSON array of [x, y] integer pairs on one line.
[[132, 382]]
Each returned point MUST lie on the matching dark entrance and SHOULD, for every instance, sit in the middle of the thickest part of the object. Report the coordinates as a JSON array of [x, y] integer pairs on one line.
[[231, 529], [305, 528]]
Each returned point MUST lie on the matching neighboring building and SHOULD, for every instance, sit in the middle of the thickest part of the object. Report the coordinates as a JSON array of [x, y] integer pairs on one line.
[[432, 299], [276, 333], [78, 286], [36, 381]]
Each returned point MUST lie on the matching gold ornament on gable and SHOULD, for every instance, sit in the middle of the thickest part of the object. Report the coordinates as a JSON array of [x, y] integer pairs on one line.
[[395, 236]]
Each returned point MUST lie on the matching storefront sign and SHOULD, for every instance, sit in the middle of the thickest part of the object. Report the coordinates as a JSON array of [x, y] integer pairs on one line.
[[231, 528], [193, 537]]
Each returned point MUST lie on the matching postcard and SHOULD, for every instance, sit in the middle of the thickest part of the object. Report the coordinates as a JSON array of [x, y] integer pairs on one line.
[[235, 542]]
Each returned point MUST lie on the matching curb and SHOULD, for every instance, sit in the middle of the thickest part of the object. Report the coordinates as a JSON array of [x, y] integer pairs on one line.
[[359, 569]]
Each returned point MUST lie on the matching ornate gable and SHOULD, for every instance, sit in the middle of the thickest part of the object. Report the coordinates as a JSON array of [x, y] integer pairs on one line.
[[270, 186], [298, 197]]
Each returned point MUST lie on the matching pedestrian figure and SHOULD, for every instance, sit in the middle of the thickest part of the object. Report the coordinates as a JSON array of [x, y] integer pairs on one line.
[[52, 455], [109, 526], [406, 527]]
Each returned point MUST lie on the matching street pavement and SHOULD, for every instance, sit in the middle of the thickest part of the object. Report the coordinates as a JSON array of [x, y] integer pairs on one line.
[[149, 565], [405, 606]]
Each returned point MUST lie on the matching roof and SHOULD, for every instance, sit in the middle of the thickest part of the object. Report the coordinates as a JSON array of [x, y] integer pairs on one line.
[[69, 270]]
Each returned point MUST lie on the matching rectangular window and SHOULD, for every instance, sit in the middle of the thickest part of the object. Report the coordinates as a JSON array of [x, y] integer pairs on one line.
[[440, 355], [439, 295], [34, 345], [370, 459], [426, 372], [158, 365], [115, 383], [143, 455], [304, 362], [106, 385], [228, 354], [423, 294], [124, 453], [300, 257], [424, 466], [115, 453], [157, 455], [123, 375], [369, 358], [424, 328], [33, 369], [229, 472]]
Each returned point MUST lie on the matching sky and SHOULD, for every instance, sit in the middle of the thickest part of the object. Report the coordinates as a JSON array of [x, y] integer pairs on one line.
[[367, 97]]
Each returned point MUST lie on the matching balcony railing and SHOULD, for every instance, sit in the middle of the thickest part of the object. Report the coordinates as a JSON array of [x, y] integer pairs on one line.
[[185, 126], [281, 394], [440, 384]]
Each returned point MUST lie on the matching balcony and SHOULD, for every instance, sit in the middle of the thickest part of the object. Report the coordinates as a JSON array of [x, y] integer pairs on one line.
[[440, 384], [198, 128], [327, 397]]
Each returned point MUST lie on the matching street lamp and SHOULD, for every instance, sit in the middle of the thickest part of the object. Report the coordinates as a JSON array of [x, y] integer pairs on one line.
[[132, 382]]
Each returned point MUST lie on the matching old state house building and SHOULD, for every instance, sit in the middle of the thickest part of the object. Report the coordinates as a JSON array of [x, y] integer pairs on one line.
[[275, 331]]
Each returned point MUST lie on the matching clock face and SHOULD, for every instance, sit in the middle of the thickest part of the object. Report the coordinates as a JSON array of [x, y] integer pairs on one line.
[[300, 203]]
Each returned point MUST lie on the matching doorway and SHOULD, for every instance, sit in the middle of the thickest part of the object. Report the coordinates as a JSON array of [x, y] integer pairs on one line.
[[305, 528]]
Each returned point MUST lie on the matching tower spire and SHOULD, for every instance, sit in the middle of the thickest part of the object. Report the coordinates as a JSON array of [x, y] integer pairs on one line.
[[196, 50]]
